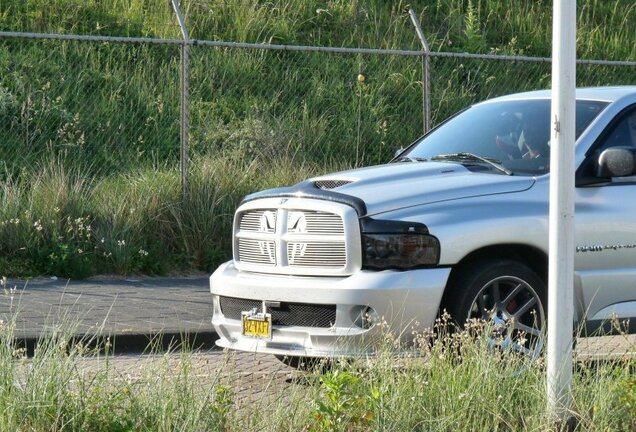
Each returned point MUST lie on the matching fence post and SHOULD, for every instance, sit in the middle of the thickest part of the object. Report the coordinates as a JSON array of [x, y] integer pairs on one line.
[[185, 83], [426, 69]]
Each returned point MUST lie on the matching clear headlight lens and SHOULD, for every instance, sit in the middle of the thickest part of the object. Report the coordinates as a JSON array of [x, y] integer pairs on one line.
[[399, 251]]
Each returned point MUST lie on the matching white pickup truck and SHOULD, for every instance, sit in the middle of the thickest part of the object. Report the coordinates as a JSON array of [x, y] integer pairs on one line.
[[457, 221]]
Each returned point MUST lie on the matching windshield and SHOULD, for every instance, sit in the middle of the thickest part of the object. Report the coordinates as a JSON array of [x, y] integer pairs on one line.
[[513, 134]]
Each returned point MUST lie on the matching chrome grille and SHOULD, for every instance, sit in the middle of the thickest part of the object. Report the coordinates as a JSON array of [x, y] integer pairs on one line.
[[257, 251], [316, 222], [255, 222], [294, 240], [317, 254], [288, 314]]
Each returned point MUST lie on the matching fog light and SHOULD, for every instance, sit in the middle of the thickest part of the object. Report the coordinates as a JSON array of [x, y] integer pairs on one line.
[[365, 317]]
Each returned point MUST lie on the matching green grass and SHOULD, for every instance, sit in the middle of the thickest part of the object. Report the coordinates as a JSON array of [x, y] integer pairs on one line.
[[62, 221], [459, 384], [606, 29], [93, 128], [56, 390]]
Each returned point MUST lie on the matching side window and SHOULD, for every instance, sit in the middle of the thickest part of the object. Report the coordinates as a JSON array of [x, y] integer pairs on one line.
[[622, 133]]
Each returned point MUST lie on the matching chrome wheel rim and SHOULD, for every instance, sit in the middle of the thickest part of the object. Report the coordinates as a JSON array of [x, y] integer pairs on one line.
[[514, 310]]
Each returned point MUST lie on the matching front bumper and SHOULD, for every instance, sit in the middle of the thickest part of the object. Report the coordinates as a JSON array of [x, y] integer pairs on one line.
[[405, 301]]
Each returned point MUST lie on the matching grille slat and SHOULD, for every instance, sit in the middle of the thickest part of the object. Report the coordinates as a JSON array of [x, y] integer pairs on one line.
[[252, 221], [316, 254], [315, 222], [289, 314], [257, 251]]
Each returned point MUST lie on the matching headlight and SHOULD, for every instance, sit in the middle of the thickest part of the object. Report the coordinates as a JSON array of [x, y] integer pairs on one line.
[[399, 251]]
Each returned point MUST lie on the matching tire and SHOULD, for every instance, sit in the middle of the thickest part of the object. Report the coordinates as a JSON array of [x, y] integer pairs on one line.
[[505, 293]]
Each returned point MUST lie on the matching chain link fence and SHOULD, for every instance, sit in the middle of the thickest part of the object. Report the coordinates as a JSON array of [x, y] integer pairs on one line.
[[110, 104], [311, 106], [101, 106], [459, 80]]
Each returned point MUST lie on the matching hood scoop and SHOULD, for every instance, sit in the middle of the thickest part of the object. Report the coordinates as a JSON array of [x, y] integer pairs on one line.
[[331, 183]]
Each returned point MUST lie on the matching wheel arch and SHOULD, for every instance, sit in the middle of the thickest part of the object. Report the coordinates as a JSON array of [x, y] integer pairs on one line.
[[531, 256]]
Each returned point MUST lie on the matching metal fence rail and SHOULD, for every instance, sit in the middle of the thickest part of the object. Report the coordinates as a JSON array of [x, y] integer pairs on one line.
[[112, 103]]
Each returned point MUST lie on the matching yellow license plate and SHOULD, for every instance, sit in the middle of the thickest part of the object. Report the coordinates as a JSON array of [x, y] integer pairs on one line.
[[259, 325]]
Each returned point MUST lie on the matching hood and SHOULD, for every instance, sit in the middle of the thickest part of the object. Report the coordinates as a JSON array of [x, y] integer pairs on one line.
[[398, 185]]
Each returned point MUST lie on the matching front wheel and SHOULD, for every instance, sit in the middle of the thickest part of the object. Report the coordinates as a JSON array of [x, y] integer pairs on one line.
[[509, 297]]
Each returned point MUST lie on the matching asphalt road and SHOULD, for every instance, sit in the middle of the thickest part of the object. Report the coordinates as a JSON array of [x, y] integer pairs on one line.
[[130, 311]]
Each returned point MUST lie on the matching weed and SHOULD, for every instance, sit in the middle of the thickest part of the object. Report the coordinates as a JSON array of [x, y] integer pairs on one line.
[[343, 405], [626, 401], [221, 406]]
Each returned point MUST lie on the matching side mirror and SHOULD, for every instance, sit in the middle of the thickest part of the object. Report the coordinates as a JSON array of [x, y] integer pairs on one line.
[[616, 162], [398, 151]]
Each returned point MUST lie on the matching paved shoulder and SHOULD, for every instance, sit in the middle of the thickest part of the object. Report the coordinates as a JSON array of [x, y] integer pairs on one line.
[[109, 306]]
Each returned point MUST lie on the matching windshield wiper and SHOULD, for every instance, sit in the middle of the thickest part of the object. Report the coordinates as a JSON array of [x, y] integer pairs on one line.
[[470, 157], [410, 159]]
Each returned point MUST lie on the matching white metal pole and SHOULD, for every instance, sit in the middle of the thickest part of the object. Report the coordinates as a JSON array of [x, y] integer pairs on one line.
[[561, 220]]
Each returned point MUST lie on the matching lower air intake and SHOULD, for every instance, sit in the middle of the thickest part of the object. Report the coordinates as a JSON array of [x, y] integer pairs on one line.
[[288, 314]]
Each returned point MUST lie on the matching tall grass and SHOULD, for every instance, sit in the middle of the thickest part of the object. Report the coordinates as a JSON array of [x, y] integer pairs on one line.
[[60, 221], [459, 384], [56, 390]]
